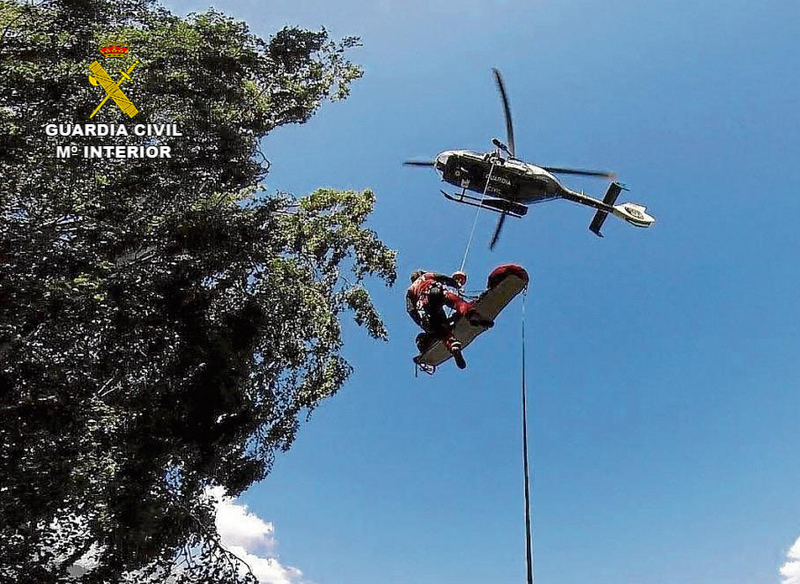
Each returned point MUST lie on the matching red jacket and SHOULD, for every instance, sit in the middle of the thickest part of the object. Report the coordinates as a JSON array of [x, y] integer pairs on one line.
[[419, 287]]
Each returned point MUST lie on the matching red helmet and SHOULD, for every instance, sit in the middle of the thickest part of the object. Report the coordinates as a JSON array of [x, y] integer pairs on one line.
[[460, 277]]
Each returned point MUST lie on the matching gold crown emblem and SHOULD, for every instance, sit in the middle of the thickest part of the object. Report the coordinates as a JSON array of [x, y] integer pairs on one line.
[[114, 49]]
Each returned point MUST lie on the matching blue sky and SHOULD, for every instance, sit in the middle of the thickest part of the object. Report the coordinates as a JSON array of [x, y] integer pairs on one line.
[[663, 363]]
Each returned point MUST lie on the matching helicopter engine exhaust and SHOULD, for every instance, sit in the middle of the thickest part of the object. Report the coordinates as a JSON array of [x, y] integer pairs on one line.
[[498, 144]]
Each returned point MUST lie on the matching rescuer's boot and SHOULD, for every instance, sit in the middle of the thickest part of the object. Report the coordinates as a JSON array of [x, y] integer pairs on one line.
[[454, 346]]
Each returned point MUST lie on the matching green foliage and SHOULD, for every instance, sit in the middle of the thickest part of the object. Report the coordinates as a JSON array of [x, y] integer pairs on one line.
[[164, 325]]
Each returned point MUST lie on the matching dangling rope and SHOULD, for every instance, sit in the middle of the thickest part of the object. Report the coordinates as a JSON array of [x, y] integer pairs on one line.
[[475, 221], [528, 532]]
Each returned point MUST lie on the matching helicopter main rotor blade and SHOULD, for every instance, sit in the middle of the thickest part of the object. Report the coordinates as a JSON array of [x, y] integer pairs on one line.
[[580, 171], [419, 163], [497, 230], [507, 109]]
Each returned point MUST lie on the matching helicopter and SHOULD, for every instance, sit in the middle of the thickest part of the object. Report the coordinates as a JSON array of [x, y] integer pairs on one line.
[[507, 185]]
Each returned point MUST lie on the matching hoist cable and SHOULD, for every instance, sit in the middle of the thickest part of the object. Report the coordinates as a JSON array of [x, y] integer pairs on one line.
[[475, 221]]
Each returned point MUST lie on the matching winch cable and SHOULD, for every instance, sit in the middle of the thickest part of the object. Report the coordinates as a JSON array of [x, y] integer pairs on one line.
[[475, 221], [528, 531], [529, 557]]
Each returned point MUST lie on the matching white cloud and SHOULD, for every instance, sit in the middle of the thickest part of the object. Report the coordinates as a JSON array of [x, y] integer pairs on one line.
[[252, 539], [239, 527], [241, 532], [268, 570], [791, 569]]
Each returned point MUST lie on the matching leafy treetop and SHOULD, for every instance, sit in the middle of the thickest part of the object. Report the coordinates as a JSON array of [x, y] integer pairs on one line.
[[164, 324]]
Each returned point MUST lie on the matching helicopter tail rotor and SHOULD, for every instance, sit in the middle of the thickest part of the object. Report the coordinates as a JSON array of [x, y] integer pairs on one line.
[[633, 213]]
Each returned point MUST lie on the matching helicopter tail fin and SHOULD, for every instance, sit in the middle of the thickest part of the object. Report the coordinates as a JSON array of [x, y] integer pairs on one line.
[[614, 189]]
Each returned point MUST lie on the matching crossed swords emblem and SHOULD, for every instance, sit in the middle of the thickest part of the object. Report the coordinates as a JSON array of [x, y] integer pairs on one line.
[[100, 77]]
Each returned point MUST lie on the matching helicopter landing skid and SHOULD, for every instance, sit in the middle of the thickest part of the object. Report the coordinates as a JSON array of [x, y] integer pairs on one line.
[[493, 204]]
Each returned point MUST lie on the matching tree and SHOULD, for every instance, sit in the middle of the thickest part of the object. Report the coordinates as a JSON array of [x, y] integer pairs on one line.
[[164, 323]]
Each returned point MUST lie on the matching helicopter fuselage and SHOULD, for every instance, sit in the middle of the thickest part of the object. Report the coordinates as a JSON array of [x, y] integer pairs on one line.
[[509, 178], [514, 184]]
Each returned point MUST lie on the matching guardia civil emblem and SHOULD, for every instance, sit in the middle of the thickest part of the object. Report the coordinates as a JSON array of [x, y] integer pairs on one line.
[[99, 77]]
